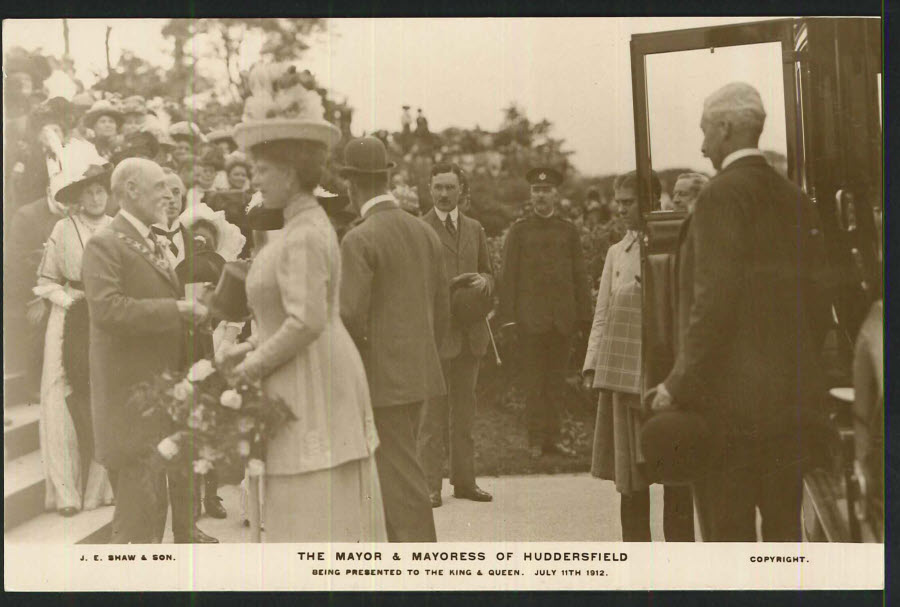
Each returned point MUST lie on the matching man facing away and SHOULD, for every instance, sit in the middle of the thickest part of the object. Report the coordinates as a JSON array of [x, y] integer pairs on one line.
[[136, 333], [395, 304], [752, 313], [468, 265], [544, 291]]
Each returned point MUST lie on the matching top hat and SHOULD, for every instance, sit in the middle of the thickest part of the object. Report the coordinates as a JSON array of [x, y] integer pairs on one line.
[[229, 300], [95, 173], [544, 176], [675, 444], [365, 156]]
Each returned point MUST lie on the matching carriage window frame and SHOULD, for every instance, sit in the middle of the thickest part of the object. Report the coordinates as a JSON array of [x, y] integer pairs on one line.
[[741, 34]]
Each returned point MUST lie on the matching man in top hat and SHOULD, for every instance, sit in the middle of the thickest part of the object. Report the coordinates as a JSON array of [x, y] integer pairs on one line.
[[752, 313], [544, 291], [468, 267], [395, 304]]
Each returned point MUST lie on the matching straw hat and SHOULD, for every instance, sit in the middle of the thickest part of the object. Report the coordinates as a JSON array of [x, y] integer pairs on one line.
[[102, 108], [186, 130]]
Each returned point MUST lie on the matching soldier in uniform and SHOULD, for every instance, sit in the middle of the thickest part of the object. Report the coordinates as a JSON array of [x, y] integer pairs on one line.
[[544, 291]]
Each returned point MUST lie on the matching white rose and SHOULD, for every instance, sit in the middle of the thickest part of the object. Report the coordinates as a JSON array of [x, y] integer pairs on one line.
[[256, 467], [243, 448], [202, 466], [201, 370], [231, 399], [168, 448], [183, 390]]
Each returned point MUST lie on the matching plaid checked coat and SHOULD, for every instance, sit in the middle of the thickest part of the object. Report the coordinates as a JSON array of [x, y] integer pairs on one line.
[[614, 354]]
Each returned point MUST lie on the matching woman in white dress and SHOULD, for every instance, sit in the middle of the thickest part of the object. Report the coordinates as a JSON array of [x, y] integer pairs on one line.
[[74, 480], [321, 483]]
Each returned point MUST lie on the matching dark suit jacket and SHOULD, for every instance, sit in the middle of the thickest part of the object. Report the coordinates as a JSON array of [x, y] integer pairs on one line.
[[136, 333], [544, 283], [752, 304], [466, 253], [395, 304]]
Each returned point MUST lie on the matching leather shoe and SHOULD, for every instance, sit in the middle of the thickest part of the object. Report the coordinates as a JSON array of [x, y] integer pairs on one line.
[[560, 449], [436, 501], [196, 537], [473, 493], [67, 512], [213, 507]]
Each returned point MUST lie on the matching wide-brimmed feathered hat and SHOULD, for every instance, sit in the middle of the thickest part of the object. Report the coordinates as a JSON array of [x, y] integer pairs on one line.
[[95, 173], [282, 107]]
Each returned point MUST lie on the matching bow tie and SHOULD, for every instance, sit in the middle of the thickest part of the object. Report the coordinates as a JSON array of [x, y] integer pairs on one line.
[[170, 235], [163, 232]]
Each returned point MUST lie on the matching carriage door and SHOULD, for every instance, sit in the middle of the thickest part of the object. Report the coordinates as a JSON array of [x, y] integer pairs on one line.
[[672, 74]]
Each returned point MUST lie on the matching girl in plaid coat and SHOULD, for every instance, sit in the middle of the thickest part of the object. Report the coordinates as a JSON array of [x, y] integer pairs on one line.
[[613, 364]]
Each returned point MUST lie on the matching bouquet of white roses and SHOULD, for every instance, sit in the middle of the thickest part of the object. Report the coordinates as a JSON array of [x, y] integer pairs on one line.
[[216, 421]]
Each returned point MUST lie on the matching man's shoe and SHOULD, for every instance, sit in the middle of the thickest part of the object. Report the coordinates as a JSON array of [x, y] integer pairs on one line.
[[196, 537], [536, 452], [213, 507], [560, 449], [436, 501], [472, 493]]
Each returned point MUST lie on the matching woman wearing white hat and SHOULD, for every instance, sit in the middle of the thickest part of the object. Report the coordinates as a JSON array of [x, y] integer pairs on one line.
[[321, 483], [74, 481]]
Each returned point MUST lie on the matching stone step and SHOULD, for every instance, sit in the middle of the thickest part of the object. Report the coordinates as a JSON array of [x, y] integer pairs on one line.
[[23, 489], [86, 527], [22, 435]]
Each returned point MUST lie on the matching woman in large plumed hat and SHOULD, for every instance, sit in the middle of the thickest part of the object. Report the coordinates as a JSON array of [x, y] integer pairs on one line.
[[74, 481], [321, 483]]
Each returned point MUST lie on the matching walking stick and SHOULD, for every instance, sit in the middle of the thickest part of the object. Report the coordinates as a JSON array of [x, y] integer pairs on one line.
[[493, 343]]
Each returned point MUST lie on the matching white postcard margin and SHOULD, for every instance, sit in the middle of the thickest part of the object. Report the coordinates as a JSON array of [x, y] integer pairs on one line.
[[445, 566]]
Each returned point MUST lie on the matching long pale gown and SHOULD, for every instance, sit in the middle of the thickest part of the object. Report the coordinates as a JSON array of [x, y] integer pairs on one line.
[[70, 483], [321, 483]]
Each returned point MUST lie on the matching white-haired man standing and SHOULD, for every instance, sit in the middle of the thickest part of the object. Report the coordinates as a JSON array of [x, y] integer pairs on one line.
[[752, 315], [136, 332]]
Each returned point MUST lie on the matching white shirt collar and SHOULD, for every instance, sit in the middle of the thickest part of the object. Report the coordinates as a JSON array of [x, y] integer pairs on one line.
[[176, 225], [373, 201], [738, 154], [142, 228], [454, 215]]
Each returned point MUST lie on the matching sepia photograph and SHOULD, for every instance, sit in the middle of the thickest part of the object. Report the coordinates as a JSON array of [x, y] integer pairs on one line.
[[486, 293]]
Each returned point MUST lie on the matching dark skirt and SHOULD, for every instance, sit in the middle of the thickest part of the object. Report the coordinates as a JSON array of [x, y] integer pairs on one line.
[[76, 365]]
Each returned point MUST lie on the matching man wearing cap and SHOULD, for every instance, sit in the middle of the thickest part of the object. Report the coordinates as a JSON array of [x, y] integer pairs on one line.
[[752, 314], [544, 291], [468, 266], [395, 304]]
